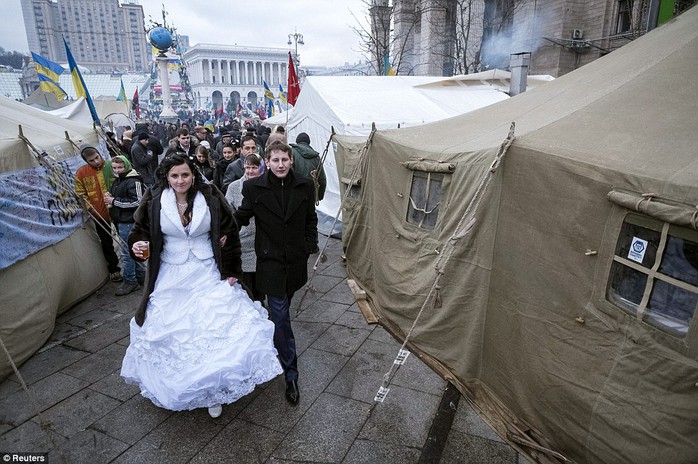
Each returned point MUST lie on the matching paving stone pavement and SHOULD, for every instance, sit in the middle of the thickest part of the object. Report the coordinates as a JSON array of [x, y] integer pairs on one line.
[[94, 417]]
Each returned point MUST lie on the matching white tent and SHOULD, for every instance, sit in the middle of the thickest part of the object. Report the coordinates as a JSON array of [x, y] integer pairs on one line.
[[352, 104], [50, 260], [279, 119], [77, 111]]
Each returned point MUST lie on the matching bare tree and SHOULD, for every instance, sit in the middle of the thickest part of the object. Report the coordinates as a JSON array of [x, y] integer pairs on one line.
[[378, 42], [375, 38], [467, 36], [476, 28]]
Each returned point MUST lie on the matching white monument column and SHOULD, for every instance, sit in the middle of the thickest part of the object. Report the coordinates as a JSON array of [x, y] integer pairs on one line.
[[167, 111]]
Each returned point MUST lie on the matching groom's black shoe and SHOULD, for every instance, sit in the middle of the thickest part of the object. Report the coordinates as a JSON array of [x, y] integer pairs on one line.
[[292, 392]]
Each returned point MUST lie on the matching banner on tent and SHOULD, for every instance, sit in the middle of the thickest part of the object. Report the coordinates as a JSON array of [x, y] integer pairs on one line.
[[39, 209]]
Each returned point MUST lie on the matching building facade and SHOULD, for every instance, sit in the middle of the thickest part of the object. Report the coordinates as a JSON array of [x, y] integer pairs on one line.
[[103, 35], [445, 37], [225, 75], [563, 35], [424, 36]]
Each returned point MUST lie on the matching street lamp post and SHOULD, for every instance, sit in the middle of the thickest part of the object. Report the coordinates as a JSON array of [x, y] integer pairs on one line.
[[296, 39]]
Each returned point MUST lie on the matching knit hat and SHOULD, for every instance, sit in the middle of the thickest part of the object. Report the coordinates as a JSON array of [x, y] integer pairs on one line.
[[143, 136], [303, 138]]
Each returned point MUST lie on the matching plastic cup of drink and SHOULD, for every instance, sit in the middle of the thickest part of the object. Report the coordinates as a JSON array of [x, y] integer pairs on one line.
[[146, 250]]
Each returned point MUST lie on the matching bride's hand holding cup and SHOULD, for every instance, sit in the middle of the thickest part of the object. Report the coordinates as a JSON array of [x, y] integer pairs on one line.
[[141, 249]]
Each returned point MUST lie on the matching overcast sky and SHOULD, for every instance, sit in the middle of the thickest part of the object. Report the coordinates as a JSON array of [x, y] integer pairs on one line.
[[326, 25]]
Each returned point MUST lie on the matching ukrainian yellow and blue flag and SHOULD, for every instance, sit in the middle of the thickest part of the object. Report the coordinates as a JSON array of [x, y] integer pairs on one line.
[[267, 92], [387, 68], [282, 94], [79, 83], [122, 92], [48, 73]]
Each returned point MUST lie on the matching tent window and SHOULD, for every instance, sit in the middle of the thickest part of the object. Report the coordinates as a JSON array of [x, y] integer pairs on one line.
[[425, 197], [654, 274]]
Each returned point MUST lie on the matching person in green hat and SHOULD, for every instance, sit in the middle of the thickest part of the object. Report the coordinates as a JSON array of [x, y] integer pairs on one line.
[[123, 198]]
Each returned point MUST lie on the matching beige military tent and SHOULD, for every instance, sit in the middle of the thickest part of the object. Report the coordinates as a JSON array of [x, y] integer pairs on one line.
[[49, 258], [553, 275]]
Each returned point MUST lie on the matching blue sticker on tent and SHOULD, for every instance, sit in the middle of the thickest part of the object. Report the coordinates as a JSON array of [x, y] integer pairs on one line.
[[637, 249]]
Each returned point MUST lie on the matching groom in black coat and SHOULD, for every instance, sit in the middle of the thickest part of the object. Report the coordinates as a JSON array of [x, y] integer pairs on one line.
[[283, 205]]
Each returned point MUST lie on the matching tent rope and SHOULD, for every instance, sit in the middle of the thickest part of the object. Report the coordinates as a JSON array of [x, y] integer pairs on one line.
[[434, 293], [315, 173], [50, 164], [423, 210], [645, 197], [308, 285]]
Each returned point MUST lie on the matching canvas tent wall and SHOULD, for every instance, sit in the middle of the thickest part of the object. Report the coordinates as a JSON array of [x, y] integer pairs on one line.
[[279, 119], [522, 277], [76, 111], [49, 259], [352, 104], [109, 111]]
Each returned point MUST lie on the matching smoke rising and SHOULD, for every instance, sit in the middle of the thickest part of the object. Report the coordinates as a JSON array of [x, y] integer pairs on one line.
[[521, 35]]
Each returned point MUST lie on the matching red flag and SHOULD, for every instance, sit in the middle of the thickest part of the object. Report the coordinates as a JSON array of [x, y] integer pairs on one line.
[[294, 87], [136, 106]]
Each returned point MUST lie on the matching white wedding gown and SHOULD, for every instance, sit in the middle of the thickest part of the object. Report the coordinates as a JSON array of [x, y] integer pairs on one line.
[[203, 342]]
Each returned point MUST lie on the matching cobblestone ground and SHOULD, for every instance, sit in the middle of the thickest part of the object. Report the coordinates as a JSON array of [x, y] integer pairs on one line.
[[92, 416]]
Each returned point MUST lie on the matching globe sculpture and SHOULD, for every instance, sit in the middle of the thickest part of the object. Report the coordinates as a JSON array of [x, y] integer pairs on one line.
[[160, 38]]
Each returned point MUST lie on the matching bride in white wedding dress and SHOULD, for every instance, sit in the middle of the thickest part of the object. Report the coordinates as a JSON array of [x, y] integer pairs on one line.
[[197, 340]]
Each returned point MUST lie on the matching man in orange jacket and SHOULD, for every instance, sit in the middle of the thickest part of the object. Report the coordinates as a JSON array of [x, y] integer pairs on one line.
[[91, 184]]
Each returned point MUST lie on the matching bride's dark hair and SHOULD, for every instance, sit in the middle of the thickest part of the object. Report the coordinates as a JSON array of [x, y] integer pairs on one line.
[[197, 185]]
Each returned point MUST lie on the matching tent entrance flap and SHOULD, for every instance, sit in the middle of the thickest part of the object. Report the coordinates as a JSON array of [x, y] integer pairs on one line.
[[429, 166], [650, 204]]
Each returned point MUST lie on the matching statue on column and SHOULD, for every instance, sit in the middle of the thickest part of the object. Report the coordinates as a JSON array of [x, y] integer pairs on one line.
[[161, 39]]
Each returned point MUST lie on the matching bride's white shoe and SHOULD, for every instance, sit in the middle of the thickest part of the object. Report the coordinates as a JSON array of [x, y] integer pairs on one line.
[[215, 411]]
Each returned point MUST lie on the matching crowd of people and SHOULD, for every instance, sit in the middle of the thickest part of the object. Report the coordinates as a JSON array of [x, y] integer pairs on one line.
[[217, 228]]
